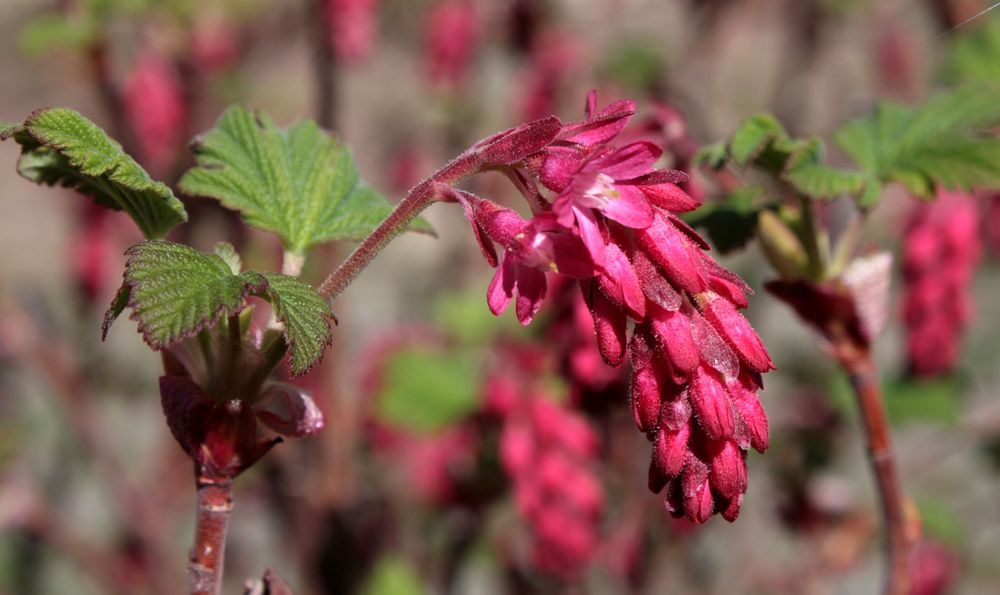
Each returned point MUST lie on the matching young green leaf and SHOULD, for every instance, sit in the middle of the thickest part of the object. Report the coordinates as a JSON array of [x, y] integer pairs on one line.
[[821, 181], [306, 317], [975, 56], [61, 147], [732, 222], [753, 136], [299, 182], [174, 291], [939, 144]]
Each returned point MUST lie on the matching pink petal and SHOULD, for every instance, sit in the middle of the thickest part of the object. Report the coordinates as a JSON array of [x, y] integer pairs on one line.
[[675, 254], [671, 450], [590, 233], [736, 330], [501, 289], [601, 127], [732, 508], [729, 470], [517, 143], [654, 286], [670, 197], [557, 166], [619, 282], [673, 334], [610, 325], [711, 404], [631, 209], [675, 412], [698, 502], [743, 394], [627, 162], [531, 288], [645, 392], [289, 411]]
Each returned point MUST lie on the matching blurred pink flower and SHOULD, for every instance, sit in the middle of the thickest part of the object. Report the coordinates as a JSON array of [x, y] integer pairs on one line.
[[452, 35], [156, 109], [353, 26]]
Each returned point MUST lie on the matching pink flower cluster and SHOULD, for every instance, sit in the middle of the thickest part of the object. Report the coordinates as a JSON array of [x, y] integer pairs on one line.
[[452, 35], [549, 452], [156, 109], [604, 215], [941, 248], [353, 27]]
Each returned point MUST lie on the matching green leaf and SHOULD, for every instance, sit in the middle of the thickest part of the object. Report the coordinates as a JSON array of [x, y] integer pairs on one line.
[[943, 143], [305, 316], [732, 222], [61, 147], [174, 291], [228, 254], [933, 400], [820, 181], [753, 136], [425, 391], [712, 156], [393, 575], [8, 129], [49, 32], [299, 182], [975, 56]]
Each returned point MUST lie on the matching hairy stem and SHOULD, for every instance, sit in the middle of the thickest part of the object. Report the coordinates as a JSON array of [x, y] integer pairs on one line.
[[857, 362], [215, 503], [417, 199]]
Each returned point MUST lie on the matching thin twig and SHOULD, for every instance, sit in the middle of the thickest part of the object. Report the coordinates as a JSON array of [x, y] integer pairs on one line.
[[857, 362], [215, 503], [325, 64]]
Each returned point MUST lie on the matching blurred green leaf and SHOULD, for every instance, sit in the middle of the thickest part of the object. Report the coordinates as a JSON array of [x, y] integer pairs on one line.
[[934, 400], [393, 575], [712, 156], [753, 136], [941, 143], [975, 55], [426, 391], [61, 147], [49, 32], [299, 182], [732, 222], [825, 182], [465, 316], [939, 521]]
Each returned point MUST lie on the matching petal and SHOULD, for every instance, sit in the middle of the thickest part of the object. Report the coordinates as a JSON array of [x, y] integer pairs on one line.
[[601, 127], [654, 286], [531, 288], [671, 450], [711, 404], [619, 282], [290, 411], [673, 334], [736, 330], [590, 233], [674, 254], [628, 162], [670, 197], [729, 470], [698, 502], [572, 257], [743, 394], [610, 325], [631, 208], [557, 166], [501, 289], [645, 393], [517, 143]]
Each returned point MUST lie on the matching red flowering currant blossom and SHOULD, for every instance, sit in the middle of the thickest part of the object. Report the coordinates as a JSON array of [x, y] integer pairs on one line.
[[549, 453], [696, 361], [941, 248], [155, 107], [353, 27], [452, 35]]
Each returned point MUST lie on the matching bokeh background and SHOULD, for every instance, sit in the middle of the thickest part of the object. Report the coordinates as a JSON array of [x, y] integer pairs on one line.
[[94, 493]]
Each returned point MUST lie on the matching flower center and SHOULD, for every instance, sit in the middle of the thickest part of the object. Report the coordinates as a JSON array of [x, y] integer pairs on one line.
[[602, 191]]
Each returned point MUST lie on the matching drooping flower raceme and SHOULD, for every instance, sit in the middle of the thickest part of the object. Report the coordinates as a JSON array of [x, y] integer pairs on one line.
[[604, 215], [353, 27], [156, 109], [941, 248]]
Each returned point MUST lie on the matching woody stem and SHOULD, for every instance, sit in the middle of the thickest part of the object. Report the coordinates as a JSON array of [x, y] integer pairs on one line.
[[861, 370], [215, 503]]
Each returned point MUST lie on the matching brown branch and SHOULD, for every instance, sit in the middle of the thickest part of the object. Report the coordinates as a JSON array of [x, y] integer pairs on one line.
[[857, 362], [215, 503], [324, 63]]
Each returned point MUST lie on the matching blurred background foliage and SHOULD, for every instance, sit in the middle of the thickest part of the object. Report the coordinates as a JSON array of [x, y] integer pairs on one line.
[[94, 494]]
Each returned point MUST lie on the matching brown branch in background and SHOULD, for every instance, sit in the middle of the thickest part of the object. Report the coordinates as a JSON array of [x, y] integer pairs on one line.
[[952, 13], [857, 362], [110, 95], [324, 64], [215, 503]]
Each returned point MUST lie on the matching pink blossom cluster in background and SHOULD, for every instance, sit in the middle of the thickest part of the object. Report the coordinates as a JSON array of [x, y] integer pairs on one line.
[[452, 36], [156, 109], [604, 215], [353, 27], [941, 248], [549, 452]]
